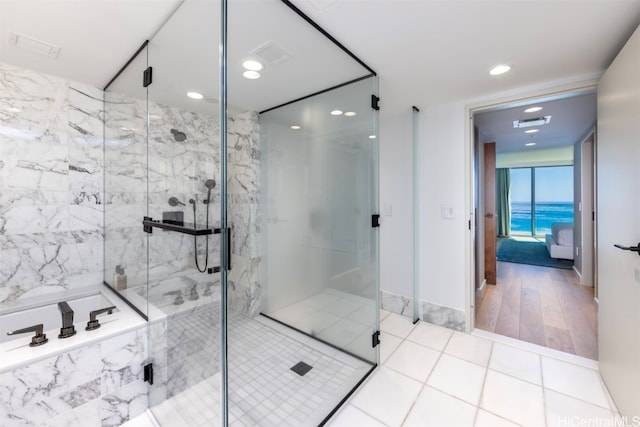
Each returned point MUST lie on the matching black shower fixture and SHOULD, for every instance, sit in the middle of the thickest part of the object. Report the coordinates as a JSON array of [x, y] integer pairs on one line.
[[173, 201], [210, 184], [178, 135]]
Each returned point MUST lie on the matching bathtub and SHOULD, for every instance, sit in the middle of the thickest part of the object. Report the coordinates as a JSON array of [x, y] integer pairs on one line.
[[15, 350]]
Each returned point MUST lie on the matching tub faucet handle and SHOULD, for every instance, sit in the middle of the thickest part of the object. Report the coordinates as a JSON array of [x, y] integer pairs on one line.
[[94, 323], [38, 339]]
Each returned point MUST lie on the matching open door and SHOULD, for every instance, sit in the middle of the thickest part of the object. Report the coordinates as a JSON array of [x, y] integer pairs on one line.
[[618, 165], [490, 213]]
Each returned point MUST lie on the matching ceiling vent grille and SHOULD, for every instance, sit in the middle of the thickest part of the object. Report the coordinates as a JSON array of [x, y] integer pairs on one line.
[[538, 121], [271, 53], [33, 45]]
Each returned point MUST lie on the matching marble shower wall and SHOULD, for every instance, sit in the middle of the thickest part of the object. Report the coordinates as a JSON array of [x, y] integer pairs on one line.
[[140, 178], [51, 201]]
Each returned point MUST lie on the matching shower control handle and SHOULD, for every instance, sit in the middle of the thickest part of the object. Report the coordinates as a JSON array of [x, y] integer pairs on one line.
[[94, 323], [38, 339]]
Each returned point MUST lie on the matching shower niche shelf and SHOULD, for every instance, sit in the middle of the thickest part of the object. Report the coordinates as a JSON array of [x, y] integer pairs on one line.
[[149, 223]]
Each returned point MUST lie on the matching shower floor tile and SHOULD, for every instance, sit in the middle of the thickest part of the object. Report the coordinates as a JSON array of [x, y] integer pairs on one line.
[[263, 391]]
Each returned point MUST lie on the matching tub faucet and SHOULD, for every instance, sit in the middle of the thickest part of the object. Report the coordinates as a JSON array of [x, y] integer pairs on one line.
[[67, 330]]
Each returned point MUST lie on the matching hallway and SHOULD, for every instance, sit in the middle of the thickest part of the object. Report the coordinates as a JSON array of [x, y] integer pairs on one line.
[[540, 305]]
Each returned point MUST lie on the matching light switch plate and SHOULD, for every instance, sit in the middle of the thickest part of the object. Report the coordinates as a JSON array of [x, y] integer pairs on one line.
[[447, 212], [388, 209]]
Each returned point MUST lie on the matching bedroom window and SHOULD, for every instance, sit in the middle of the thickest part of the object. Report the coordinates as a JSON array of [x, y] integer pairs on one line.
[[540, 196]]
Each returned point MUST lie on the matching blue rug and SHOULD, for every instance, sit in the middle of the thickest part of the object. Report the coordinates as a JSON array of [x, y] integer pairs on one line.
[[532, 253]]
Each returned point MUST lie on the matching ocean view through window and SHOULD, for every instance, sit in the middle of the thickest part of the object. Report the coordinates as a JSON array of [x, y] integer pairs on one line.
[[539, 197]]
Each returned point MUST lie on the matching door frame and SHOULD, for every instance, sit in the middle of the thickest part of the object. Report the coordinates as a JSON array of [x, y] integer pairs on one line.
[[498, 102]]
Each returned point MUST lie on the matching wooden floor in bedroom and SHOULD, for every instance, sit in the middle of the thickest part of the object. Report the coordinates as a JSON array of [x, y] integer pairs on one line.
[[541, 305]]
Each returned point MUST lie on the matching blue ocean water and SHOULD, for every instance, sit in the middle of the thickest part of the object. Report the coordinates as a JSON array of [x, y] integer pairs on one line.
[[546, 214]]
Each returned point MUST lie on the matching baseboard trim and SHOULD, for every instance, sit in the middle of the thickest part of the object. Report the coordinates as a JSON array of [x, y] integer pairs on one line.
[[482, 289], [575, 270]]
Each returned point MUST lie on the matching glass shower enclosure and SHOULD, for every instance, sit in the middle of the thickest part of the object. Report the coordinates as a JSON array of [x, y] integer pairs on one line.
[[240, 214]]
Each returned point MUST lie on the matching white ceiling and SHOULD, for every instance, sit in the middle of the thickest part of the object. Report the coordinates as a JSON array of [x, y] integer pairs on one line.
[[571, 118], [426, 52], [429, 52]]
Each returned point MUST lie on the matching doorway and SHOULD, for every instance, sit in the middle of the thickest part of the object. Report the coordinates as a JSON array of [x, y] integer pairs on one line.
[[539, 196]]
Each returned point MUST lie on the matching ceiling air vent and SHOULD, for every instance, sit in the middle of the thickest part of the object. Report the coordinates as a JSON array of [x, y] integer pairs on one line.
[[538, 121], [33, 45], [271, 53]]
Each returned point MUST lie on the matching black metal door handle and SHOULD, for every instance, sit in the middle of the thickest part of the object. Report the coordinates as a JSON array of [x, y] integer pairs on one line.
[[629, 248], [489, 215]]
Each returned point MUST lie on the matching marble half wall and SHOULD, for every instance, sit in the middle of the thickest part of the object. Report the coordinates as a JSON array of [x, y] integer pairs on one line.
[[432, 313], [51, 179], [101, 384]]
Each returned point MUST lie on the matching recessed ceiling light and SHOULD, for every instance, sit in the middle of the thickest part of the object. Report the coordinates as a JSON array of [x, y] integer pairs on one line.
[[14, 110], [350, 113], [251, 75], [252, 65], [531, 131], [195, 95], [532, 109], [336, 112], [499, 69], [372, 137], [530, 144], [154, 117], [295, 127]]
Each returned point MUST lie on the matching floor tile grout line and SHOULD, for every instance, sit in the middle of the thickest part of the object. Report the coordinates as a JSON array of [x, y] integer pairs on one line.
[[424, 384], [544, 393], [484, 381]]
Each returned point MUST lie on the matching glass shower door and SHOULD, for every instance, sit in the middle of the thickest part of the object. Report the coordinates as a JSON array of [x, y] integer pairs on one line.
[[183, 176], [320, 193]]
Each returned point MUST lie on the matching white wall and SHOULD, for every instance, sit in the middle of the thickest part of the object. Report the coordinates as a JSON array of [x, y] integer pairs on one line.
[[445, 180], [442, 175], [396, 186]]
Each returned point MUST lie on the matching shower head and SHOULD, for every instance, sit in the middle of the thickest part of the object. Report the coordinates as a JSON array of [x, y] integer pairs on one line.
[[178, 135], [173, 201]]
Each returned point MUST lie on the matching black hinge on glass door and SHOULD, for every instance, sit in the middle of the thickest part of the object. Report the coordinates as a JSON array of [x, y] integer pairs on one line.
[[375, 339], [375, 102], [148, 373], [147, 77], [375, 220]]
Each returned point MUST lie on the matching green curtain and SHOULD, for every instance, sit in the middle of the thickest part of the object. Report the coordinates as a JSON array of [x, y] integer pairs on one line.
[[503, 201]]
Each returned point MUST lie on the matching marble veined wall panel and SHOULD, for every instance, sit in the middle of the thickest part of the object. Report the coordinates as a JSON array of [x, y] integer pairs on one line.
[[51, 201]]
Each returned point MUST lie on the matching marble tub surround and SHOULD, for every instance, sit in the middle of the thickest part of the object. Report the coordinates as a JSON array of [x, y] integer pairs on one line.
[[431, 313], [100, 384], [17, 353], [51, 201]]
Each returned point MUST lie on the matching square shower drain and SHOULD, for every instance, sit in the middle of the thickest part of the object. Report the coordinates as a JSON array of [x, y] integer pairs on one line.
[[301, 368]]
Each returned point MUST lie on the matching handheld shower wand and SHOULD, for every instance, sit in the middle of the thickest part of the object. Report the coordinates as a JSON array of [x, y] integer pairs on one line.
[[209, 184]]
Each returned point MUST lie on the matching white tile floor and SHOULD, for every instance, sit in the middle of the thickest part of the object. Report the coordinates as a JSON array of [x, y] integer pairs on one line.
[[431, 376]]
